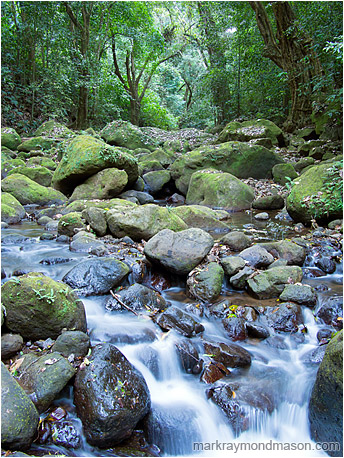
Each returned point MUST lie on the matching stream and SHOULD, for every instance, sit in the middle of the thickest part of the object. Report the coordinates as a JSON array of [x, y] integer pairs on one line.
[[182, 415]]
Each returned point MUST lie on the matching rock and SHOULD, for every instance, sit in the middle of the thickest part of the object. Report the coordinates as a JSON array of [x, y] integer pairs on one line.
[[326, 402], [72, 342], [206, 284], [271, 282], [253, 129], [12, 212], [68, 223], [44, 220], [235, 327], [238, 281], [326, 264], [44, 377], [95, 217], [214, 371], [310, 198], [53, 129], [40, 175], [175, 318], [301, 294], [330, 311], [262, 216], [38, 307], [42, 162], [303, 163], [123, 133], [164, 157], [9, 138], [286, 317], [287, 250], [257, 256], [96, 276], [36, 143], [189, 356], [242, 160], [27, 191], [256, 330], [84, 157], [220, 190], [229, 354], [111, 397], [156, 180], [315, 356], [142, 222], [10, 345], [176, 199], [283, 173], [179, 252], [10, 164], [232, 265], [149, 166], [305, 148], [141, 197], [138, 297], [85, 242], [236, 240], [105, 184], [202, 217], [19, 417]]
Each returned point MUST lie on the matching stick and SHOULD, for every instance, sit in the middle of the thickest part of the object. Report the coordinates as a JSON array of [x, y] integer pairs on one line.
[[115, 296]]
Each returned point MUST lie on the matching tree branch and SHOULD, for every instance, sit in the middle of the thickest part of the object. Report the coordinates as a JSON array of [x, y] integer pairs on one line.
[[72, 16], [117, 70]]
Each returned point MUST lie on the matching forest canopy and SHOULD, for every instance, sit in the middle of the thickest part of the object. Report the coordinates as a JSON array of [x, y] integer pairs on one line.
[[170, 64]]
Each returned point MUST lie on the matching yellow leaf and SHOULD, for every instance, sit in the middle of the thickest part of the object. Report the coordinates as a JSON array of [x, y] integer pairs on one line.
[[233, 394]]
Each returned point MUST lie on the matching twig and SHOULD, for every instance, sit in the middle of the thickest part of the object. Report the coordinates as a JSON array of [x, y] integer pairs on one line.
[[115, 296]]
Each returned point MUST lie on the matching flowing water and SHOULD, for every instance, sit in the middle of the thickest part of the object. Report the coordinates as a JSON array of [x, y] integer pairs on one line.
[[182, 415]]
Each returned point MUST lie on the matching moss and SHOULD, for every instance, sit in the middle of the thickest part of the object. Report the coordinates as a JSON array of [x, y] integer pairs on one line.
[[11, 210], [36, 143], [53, 129], [40, 175], [69, 222], [9, 138], [43, 162]]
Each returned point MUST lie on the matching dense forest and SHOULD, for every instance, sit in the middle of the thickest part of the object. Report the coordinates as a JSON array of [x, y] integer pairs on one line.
[[169, 64]]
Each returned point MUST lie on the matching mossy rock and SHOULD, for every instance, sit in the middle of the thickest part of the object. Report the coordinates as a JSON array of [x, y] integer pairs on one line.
[[202, 217], [40, 175], [270, 283], [146, 166], [242, 160], [206, 284], [38, 307], [69, 222], [12, 212], [283, 173], [36, 143], [84, 156], [123, 133], [80, 205], [219, 190], [27, 191], [42, 162], [53, 129], [317, 194], [10, 164], [165, 158], [9, 138], [156, 180], [7, 153], [250, 130]]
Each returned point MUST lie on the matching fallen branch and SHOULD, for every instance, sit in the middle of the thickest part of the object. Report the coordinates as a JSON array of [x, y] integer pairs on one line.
[[122, 304]]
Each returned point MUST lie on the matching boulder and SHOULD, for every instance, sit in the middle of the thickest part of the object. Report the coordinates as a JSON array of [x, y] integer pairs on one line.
[[242, 160], [105, 184], [238, 281], [326, 402], [273, 202], [250, 130], [288, 250], [272, 282], [40, 175], [315, 194], [85, 242], [68, 223], [7, 165], [149, 166], [95, 217], [96, 276], [257, 256], [139, 197], [330, 311], [36, 143], [229, 354], [12, 212], [283, 173], [38, 307], [176, 318], [303, 163], [235, 327], [142, 222], [85, 156], [9, 138], [206, 283], [138, 297], [202, 217], [72, 342], [123, 133], [236, 240], [19, 417], [80, 205], [179, 252], [232, 265], [155, 181], [220, 190], [189, 356], [286, 317], [301, 294], [10, 345], [27, 191], [53, 129], [165, 158], [111, 397]]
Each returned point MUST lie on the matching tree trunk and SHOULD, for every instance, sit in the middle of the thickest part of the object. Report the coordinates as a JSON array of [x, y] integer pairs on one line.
[[135, 110]]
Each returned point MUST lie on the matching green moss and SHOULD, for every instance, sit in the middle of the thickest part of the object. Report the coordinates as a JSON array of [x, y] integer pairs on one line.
[[69, 222], [36, 143], [9, 138], [40, 175]]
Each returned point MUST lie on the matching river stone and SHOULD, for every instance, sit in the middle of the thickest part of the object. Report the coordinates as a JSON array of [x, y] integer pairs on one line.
[[123, 133], [285, 317], [256, 330], [156, 180], [10, 345], [44, 377], [220, 190], [179, 252], [238, 281], [86, 242], [236, 240], [206, 284], [249, 130], [271, 283], [40, 175], [95, 217], [72, 342], [111, 396], [105, 184], [326, 264], [142, 222], [140, 196], [330, 311], [7, 165], [202, 217], [27, 191], [96, 276], [149, 166], [232, 265], [138, 297], [229, 354], [19, 416], [85, 156], [9, 138], [274, 202], [257, 256], [175, 318], [12, 211], [235, 327], [38, 307], [164, 157], [67, 224], [301, 294], [293, 253], [189, 356], [283, 173], [326, 402], [242, 160]]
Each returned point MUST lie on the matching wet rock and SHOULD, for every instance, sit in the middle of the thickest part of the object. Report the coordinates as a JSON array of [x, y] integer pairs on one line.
[[19, 417], [44, 377], [53, 261], [206, 284], [286, 317], [277, 342], [238, 281], [138, 297], [271, 282], [95, 217], [288, 250], [326, 264], [131, 337], [38, 307], [324, 333], [256, 330], [179, 252], [175, 318], [150, 358], [10, 345], [176, 199], [12, 212], [274, 202], [329, 310], [189, 356], [257, 256], [156, 180], [236, 241], [301, 294], [214, 371], [232, 265], [202, 217], [72, 342], [85, 242], [96, 276], [47, 236], [111, 397], [3, 273], [229, 354], [68, 223], [235, 327], [262, 216], [315, 356], [142, 197], [326, 402]]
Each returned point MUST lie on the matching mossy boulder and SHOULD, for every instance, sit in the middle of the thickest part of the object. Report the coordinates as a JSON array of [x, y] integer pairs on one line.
[[123, 133], [19, 416], [149, 165], [12, 212], [202, 217], [10, 164], [53, 129], [42, 162], [317, 194], [40, 175], [271, 283], [273, 202], [142, 222], [67, 224], [250, 130], [155, 181], [9, 138], [84, 156], [95, 217], [287, 250], [165, 158], [27, 191], [36, 143], [38, 307], [206, 283], [326, 402], [80, 205], [243, 160], [103, 185], [220, 190], [283, 173]]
